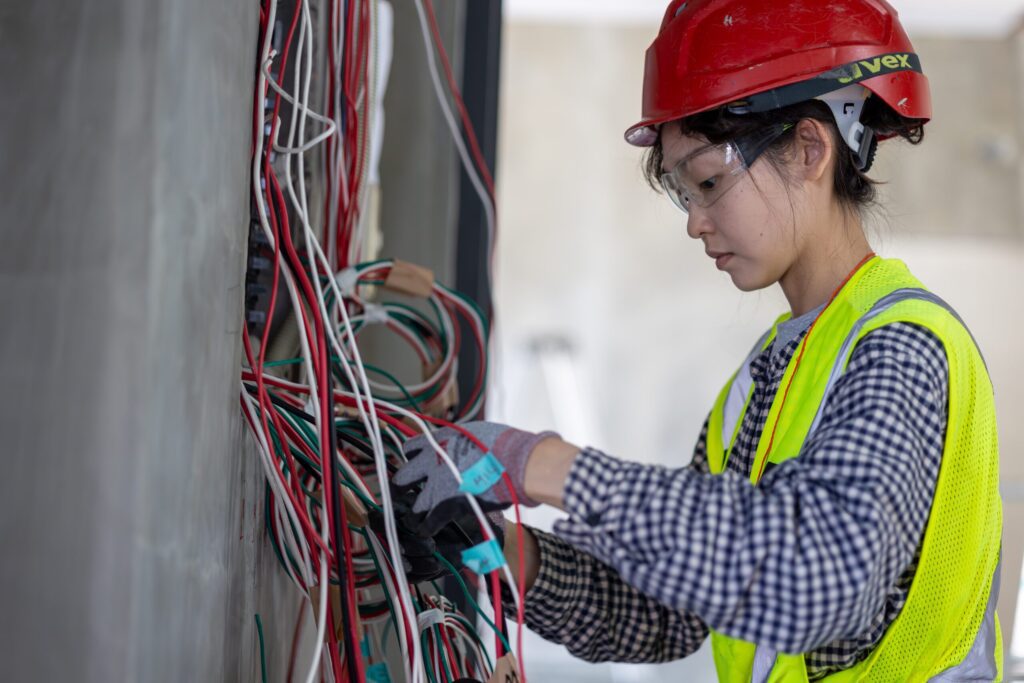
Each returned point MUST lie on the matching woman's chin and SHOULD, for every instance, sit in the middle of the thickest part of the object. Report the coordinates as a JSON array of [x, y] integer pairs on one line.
[[748, 282]]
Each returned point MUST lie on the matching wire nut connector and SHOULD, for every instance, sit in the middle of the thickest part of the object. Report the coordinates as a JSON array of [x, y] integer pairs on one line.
[[375, 314], [347, 280]]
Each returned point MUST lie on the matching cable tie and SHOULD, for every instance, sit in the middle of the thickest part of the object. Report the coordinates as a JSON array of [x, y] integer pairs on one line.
[[484, 558], [482, 475], [347, 280], [375, 313], [429, 618]]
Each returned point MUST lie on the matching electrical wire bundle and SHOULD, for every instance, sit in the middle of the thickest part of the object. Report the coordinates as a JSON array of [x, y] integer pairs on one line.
[[329, 436]]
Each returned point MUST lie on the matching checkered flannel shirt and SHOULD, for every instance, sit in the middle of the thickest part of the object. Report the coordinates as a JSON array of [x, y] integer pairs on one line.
[[817, 559]]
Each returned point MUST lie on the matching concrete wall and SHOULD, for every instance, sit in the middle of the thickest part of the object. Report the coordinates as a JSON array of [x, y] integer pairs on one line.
[[962, 180], [129, 505], [589, 255]]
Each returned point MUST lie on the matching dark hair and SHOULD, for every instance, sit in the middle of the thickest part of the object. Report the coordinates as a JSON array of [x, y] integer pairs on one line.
[[853, 188]]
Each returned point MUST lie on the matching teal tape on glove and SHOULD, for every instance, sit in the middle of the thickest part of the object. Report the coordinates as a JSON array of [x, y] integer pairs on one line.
[[482, 475], [484, 558]]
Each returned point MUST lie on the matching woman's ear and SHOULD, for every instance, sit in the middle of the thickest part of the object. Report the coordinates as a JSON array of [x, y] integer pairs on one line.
[[814, 150]]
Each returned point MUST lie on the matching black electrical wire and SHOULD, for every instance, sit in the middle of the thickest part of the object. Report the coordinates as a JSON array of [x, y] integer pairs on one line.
[[341, 527]]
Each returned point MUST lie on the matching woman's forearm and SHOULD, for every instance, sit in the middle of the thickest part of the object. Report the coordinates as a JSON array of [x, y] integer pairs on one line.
[[547, 469], [531, 554], [546, 472]]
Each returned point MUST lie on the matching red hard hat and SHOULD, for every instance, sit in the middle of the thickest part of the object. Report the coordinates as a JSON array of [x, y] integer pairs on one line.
[[758, 55]]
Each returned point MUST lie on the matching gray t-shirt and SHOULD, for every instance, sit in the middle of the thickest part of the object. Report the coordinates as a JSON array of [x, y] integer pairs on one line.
[[791, 329]]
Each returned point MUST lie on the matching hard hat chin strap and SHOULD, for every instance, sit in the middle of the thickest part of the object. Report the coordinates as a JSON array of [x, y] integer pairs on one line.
[[847, 105]]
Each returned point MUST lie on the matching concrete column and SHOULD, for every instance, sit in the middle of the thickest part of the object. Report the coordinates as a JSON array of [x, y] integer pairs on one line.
[[129, 505]]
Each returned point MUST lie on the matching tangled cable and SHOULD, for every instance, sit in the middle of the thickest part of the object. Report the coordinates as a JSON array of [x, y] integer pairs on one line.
[[329, 427]]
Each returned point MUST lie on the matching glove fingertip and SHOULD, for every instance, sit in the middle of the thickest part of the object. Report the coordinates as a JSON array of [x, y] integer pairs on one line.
[[399, 478], [411, 452], [408, 474], [421, 506]]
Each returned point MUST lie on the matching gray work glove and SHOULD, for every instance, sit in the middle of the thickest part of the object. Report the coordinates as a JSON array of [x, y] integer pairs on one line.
[[440, 497]]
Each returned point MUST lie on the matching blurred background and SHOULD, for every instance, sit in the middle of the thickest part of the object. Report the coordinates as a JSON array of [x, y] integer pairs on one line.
[[616, 330]]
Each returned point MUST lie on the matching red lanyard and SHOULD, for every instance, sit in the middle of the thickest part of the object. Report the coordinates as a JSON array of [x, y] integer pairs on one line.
[[803, 348]]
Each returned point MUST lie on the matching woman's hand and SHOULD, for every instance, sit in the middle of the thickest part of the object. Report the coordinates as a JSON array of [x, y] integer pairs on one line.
[[441, 498]]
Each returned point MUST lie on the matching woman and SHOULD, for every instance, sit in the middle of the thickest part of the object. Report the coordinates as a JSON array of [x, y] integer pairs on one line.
[[840, 519]]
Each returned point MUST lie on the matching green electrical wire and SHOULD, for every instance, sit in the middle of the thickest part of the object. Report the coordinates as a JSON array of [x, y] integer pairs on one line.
[[263, 654], [471, 630], [407, 398], [440, 649], [426, 660], [373, 556], [472, 602]]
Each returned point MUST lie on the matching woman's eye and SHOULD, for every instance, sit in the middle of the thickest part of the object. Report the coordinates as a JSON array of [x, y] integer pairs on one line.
[[709, 184]]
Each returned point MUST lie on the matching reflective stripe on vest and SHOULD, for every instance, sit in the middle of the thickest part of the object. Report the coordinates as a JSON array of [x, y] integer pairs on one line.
[[739, 393]]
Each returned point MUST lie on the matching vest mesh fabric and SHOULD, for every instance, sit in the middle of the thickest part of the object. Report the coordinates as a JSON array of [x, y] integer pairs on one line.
[[947, 599]]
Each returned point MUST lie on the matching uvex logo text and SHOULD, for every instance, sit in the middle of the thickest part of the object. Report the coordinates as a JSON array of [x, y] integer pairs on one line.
[[866, 68]]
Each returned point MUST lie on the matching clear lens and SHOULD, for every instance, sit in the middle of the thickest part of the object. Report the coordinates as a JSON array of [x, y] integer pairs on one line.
[[704, 177]]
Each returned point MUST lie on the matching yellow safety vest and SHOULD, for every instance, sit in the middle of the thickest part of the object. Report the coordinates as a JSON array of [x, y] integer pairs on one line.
[[947, 629]]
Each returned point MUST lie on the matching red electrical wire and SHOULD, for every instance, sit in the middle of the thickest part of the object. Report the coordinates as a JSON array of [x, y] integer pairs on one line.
[[457, 96], [803, 348], [520, 542], [318, 345], [452, 659], [353, 140]]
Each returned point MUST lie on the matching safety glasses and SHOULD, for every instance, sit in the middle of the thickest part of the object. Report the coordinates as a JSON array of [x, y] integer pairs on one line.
[[704, 176]]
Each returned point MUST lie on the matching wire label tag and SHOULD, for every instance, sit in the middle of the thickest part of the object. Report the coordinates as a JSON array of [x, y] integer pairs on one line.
[[484, 558], [377, 673], [482, 475]]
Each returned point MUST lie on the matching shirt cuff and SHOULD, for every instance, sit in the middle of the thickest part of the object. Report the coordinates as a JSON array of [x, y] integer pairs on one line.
[[556, 588], [593, 489]]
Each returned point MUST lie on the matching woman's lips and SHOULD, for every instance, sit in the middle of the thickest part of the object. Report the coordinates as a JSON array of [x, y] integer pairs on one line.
[[721, 259]]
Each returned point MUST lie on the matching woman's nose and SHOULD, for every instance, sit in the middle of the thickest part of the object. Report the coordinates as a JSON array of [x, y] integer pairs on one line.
[[698, 223]]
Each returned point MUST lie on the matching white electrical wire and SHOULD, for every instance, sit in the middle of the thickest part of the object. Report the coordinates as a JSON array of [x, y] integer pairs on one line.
[[453, 126], [359, 382], [331, 127], [304, 342], [390, 587], [275, 484], [473, 504], [312, 243], [445, 367], [282, 496], [428, 434]]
